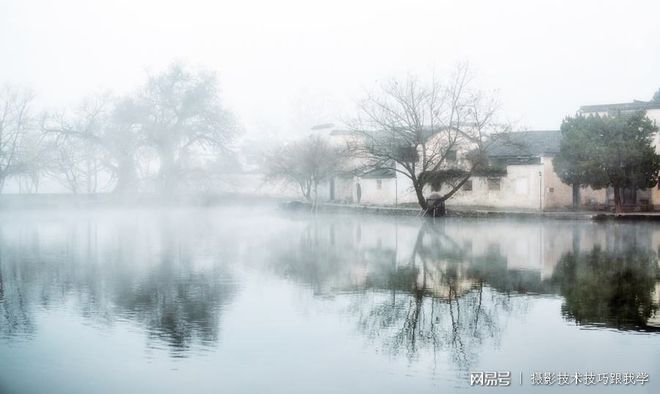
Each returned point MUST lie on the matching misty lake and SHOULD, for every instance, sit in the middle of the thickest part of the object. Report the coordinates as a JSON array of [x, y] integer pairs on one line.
[[259, 300]]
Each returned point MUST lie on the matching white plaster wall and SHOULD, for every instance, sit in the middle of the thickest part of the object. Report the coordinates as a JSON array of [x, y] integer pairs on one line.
[[560, 195], [519, 189], [372, 195]]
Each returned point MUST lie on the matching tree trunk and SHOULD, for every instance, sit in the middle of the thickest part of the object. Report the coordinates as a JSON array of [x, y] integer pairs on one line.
[[617, 200], [576, 196], [125, 177], [420, 196], [167, 172]]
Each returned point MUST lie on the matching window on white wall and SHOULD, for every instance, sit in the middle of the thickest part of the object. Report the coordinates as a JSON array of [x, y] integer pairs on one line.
[[379, 184], [494, 183], [467, 186]]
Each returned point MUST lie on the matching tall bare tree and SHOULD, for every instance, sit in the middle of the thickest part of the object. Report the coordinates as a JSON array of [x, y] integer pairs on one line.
[[181, 114], [433, 133]]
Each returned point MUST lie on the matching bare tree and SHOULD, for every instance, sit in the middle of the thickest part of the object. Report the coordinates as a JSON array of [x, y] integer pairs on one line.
[[304, 163], [430, 132], [15, 124], [104, 127], [181, 114], [32, 161]]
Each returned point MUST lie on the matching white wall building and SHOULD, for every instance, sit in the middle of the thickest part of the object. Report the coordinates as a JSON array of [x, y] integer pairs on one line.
[[528, 180]]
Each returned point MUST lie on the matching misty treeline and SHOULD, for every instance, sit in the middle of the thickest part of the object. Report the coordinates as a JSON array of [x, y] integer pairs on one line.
[[172, 129]]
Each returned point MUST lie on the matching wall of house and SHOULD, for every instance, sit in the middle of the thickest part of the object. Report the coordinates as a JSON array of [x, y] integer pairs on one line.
[[376, 191], [532, 186], [560, 195], [519, 189]]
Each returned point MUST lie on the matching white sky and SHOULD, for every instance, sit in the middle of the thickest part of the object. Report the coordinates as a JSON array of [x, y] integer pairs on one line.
[[288, 64]]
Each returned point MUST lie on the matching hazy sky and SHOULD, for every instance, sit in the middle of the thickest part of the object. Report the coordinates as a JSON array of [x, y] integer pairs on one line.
[[286, 64]]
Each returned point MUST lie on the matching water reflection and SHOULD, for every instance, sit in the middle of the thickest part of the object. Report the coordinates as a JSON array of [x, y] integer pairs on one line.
[[149, 274], [451, 286], [613, 289], [413, 289]]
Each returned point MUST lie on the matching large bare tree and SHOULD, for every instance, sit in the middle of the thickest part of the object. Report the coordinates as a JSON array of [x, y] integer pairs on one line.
[[181, 114], [434, 133]]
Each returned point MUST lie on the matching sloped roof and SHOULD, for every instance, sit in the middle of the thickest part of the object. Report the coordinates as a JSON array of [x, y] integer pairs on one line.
[[400, 134], [634, 106], [380, 173], [525, 144]]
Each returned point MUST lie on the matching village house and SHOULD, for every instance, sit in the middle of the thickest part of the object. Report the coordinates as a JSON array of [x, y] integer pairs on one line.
[[526, 181]]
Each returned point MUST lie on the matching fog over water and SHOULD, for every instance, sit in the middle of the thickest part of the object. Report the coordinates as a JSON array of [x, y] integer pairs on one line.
[[350, 196], [245, 299]]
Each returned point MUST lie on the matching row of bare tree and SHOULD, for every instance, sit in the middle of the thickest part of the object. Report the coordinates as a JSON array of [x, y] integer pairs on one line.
[[156, 134]]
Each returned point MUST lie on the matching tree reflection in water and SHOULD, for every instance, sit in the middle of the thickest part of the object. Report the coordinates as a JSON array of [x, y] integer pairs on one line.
[[613, 289], [436, 293], [117, 273], [437, 297]]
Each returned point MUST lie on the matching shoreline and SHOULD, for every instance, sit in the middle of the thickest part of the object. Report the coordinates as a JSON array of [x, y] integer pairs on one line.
[[483, 212], [18, 202]]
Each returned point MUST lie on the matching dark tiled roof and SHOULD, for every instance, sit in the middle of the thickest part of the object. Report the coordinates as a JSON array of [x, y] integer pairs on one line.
[[379, 173], [323, 126], [525, 144], [401, 134], [634, 106]]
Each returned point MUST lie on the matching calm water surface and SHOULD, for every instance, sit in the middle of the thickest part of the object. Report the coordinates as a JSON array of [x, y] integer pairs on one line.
[[238, 300]]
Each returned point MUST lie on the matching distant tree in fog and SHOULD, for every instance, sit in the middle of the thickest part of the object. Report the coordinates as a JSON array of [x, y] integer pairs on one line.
[[99, 137], [73, 165], [173, 119], [304, 163], [181, 115], [416, 128], [16, 125]]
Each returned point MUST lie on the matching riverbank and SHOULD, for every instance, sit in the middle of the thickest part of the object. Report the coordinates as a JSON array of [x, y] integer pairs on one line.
[[12, 202], [485, 212]]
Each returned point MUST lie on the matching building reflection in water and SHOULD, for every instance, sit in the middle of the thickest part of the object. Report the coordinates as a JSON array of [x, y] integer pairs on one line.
[[450, 285], [411, 286]]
